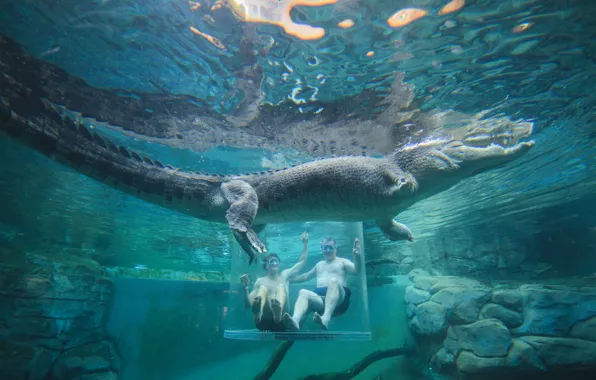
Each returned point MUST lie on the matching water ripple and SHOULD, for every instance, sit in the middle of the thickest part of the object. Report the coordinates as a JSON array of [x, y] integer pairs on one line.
[[526, 59]]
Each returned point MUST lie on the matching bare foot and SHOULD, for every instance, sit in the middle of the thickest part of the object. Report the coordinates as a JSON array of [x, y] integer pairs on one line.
[[256, 309], [276, 309], [317, 318], [290, 323]]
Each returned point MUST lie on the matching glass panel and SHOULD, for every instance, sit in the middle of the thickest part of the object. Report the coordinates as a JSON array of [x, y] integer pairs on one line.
[[353, 324]]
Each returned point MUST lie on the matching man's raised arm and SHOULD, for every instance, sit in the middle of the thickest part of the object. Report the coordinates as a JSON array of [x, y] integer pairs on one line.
[[354, 266], [305, 276], [293, 271], [245, 293]]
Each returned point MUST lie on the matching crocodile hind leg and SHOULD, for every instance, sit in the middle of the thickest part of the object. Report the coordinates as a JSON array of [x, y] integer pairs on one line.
[[393, 230], [244, 205]]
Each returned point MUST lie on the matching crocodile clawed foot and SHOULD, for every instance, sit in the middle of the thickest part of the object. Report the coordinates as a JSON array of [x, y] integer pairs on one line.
[[250, 243], [395, 231], [244, 205], [519, 148], [527, 144], [255, 242]]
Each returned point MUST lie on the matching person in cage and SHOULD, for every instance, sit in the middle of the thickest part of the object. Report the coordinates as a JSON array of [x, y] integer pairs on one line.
[[331, 297], [268, 298]]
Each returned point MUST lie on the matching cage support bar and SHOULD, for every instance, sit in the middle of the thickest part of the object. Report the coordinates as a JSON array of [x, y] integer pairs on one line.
[[361, 365], [276, 358]]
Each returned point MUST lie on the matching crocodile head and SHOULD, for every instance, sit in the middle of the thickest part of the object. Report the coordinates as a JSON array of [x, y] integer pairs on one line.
[[439, 164]]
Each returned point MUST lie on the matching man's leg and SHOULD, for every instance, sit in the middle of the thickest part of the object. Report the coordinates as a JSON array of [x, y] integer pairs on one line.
[[277, 303], [335, 296], [306, 301], [259, 302]]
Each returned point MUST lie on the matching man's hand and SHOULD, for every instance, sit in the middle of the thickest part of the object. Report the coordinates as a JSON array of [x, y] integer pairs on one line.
[[244, 280], [356, 256], [356, 249], [304, 237]]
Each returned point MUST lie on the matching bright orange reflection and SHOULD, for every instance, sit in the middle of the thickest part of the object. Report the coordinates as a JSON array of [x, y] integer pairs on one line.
[[452, 6], [277, 13], [347, 23], [405, 16]]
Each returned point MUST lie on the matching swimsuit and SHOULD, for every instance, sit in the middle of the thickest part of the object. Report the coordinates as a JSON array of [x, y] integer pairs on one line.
[[342, 307]]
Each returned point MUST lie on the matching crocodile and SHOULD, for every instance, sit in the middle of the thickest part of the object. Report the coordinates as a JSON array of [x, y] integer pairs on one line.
[[348, 189]]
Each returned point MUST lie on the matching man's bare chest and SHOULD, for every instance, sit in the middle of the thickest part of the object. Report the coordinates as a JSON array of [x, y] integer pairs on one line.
[[325, 269]]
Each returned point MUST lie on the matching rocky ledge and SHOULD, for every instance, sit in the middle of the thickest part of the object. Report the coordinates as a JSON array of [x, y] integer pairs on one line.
[[468, 329], [52, 313]]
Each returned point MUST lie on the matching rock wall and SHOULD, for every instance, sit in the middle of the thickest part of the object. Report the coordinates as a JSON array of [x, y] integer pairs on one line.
[[52, 312], [477, 243], [494, 252], [466, 329]]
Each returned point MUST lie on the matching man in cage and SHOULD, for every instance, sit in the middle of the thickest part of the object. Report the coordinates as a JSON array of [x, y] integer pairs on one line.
[[268, 298], [331, 297]]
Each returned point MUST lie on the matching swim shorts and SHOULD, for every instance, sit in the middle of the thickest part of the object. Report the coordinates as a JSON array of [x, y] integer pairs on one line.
[[341, 308]]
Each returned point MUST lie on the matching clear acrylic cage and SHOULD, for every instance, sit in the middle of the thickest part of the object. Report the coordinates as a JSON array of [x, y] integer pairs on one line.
[[353, 325]]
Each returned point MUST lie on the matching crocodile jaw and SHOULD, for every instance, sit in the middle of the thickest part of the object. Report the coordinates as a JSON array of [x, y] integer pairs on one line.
[[469, 151]]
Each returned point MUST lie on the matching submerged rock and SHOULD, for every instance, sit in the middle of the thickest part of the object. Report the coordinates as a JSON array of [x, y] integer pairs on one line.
[[467, 362], [585, 330], [462, 304], [424, 282], [553, 310], [53, 306], [455, 282], [511, 298], [416, 296], [410, 310], [406, 264], [417, 272], [524, 357], [452, 345], [430, 319], [91, 358], [556, 352], [25, 361], [532, 329], [485, 338], [509, 317], [443, 358]]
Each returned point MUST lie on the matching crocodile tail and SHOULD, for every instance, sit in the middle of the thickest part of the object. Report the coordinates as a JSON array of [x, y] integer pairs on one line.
[[38, 124]]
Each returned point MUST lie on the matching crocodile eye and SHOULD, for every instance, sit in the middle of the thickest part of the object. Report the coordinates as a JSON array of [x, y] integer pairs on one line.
[[402, 180]]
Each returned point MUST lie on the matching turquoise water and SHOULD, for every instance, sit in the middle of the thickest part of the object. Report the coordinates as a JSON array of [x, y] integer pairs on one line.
[[172, 329], [97, 284]]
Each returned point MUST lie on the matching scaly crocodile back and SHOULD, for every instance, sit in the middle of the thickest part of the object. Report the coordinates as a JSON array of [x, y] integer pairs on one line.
[[75, 146]]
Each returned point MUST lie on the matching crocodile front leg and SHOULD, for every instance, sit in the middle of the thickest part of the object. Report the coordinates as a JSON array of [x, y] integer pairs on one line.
[[393, 230], [244, 205]]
